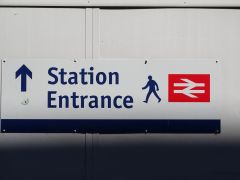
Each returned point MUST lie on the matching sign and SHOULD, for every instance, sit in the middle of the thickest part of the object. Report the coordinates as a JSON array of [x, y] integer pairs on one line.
[[189, 87], [110, 96]]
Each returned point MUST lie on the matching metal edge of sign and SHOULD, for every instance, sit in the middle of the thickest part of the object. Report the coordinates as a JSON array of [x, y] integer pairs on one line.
[[1, 61], [121, 3]]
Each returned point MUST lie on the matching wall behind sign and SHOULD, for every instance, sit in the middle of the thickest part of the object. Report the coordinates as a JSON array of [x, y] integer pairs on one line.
[[140, 33]]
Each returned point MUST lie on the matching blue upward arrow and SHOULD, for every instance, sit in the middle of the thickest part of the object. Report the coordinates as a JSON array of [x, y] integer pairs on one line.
[[23, 71]]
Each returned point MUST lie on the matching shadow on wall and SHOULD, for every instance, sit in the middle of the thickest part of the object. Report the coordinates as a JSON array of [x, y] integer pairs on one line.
[[117, 161]]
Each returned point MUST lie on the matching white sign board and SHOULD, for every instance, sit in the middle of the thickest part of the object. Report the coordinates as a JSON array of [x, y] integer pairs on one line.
[[110, 89]]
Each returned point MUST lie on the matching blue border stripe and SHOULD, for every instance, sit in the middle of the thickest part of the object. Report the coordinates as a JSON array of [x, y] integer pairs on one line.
[[110, 126]]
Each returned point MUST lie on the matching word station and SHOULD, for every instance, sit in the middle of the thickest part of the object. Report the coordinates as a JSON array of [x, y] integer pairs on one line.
[[85, 78]]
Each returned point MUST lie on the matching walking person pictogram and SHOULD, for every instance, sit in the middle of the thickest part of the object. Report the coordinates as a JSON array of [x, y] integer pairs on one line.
[[151, 84]]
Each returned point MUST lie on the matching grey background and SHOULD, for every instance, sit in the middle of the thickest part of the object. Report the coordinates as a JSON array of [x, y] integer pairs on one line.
[[123, 33]]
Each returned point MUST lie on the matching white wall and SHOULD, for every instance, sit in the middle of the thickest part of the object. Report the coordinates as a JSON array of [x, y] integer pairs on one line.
[[179, 33], [46, 33], [134, 33], [131, 33]]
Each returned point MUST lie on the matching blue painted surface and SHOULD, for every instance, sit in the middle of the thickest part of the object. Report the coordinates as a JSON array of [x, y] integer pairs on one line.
[[110, 126], [23, 71]]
